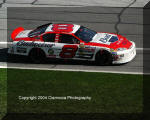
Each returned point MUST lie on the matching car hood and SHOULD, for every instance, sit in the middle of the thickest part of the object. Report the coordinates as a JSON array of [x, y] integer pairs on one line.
[[110, 40]]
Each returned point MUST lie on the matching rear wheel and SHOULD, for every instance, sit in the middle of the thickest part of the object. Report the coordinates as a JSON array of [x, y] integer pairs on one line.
[[37, 55], [103, 57]]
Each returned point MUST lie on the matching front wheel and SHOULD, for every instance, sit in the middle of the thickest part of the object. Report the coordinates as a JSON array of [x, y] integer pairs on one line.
[[37, 55], [103, 57]]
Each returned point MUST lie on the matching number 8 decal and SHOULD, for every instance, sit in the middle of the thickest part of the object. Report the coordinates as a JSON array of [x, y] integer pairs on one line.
[[68, 51], [64, 27]]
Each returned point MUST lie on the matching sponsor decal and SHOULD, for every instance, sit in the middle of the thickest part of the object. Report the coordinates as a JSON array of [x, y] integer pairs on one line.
[[86, 52], [113, 51], [81, 49], [81, 46], [33, 44], [90, 49], [51, 53], [106, 38], [21, 50], [87, 49]]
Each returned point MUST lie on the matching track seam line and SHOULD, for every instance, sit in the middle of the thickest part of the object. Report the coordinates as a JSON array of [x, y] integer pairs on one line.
[[121, 13], [34, 2]]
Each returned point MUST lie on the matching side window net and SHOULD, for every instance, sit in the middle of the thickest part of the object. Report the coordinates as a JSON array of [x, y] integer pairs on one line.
[[64, 38], [50, 37]]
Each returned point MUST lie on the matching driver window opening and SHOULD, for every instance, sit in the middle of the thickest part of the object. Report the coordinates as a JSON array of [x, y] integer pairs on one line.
[[50, 37], [69, 39]]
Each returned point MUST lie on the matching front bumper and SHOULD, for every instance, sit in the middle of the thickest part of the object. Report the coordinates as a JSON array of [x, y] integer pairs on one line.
[[126, 55]]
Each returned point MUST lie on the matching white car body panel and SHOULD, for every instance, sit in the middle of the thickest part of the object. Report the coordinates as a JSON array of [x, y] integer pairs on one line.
[[52, 50]]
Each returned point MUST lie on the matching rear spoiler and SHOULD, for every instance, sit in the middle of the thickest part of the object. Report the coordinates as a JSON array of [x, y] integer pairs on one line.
[[16, 32]]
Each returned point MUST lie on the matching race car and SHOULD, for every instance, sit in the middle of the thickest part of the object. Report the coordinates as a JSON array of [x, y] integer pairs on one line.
[[71, 41]]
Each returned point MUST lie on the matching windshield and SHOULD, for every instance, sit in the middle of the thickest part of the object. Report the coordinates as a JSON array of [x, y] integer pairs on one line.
[[85, 34], [113, 39], [39, 30]]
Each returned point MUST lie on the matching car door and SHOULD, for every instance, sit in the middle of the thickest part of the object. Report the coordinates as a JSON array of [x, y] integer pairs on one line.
[[49, 41], [69, 46]]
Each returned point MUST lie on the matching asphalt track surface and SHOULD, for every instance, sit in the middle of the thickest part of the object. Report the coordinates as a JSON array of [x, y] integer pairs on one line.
[[125, 21]]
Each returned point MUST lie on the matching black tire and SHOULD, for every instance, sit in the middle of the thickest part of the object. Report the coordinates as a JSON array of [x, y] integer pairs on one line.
[[37, 55], [103, 57]]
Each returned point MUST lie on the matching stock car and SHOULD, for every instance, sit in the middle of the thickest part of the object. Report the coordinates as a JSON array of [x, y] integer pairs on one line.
[[71, 41]]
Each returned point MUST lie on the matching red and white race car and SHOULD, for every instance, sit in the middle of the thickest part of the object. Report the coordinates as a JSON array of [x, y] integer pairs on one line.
[[71, 41]]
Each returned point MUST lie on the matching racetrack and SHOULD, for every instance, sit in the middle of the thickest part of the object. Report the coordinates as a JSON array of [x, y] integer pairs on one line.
[[125, 21]]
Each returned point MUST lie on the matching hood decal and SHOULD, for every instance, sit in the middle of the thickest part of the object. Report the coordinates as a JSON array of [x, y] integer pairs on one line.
[[103, 38]]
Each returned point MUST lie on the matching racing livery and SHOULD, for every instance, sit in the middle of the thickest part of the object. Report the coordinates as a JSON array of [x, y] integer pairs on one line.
[[71, 41]]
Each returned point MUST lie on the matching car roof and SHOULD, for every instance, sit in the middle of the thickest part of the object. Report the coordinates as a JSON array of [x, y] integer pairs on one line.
[[62, 28]]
